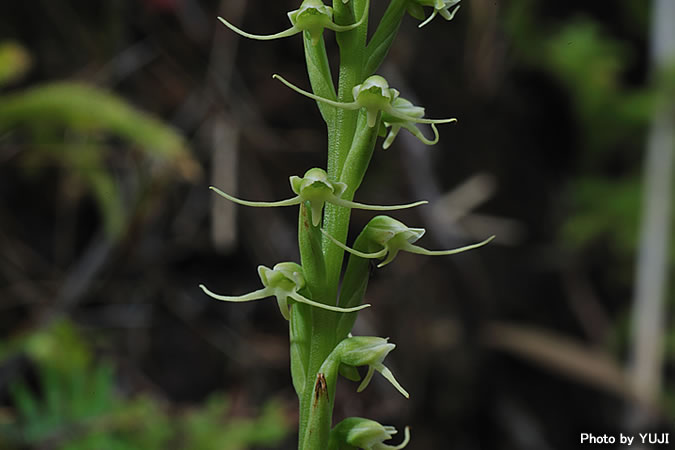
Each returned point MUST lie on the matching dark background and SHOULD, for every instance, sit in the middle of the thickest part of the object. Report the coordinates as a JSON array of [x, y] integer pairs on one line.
[[522, 344]]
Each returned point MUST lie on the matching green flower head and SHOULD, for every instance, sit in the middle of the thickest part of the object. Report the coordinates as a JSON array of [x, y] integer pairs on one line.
[[313, 16], [283, 282], [374, 96], [369, 351], [316, 189], [442, 7], [366, 434], [405, 108], [392, 236]]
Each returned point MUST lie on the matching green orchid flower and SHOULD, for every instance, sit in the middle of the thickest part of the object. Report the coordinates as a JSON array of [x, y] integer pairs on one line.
[[392, 236], [316, 189], [395, 124], [313, 16], [283, 282], [442, 7], [364, 434], [369, 351], [375, 96]]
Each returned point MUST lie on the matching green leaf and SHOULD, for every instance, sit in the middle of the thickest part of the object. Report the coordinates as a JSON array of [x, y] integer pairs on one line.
[[320, 77], [89, 111]]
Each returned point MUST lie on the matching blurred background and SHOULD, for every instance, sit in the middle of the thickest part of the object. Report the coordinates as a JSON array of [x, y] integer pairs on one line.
[[115, 117]]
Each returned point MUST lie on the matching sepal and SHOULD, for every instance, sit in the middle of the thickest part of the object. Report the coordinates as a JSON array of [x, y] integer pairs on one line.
[[364, 434], [392, 236], [283, 282]]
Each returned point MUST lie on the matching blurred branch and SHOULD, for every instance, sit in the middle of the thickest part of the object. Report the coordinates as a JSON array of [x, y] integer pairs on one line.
[[564, 355], [225, 135], [652, 263], [586, 306]]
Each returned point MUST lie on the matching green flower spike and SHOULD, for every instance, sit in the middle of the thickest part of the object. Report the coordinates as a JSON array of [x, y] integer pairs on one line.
[[317, 189], [283, 282], [393, 236], [365, 434], [368, 351], [406, 108], [375, 96], [441, 7], [312, 16]]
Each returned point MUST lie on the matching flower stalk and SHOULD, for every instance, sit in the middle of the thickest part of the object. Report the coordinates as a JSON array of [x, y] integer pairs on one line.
[[320, 306]]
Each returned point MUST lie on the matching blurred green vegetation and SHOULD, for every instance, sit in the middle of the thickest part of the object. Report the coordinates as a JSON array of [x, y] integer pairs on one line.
[[613, 109], [75, 403], [612, 118], [612, 115], [70, 397], [73, 125]]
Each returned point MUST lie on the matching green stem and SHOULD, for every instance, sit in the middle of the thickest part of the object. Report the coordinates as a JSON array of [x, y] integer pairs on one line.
[[352, 51], [322, 344], [318, 325], [355, 167], [350, 147]]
